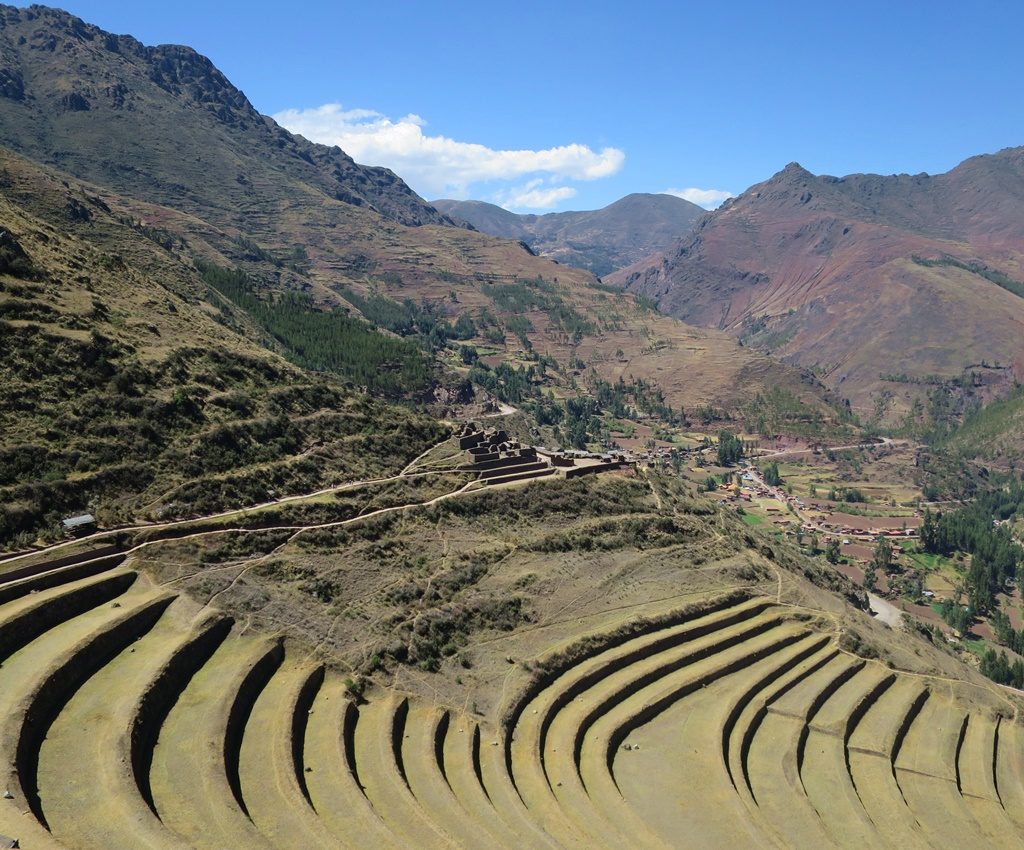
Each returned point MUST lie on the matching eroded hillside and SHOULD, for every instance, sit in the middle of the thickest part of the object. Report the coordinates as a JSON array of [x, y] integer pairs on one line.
[[879, 284]]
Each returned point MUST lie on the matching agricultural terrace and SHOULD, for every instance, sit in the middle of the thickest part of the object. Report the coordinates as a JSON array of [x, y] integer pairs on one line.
[[134, 718], [606, 663]]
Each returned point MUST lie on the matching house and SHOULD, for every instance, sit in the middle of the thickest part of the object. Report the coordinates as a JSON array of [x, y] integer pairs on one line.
[[77, 525]]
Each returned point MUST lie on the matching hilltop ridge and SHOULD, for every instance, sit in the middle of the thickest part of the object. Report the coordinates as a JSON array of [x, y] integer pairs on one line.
[[62, 79], [165, 139]]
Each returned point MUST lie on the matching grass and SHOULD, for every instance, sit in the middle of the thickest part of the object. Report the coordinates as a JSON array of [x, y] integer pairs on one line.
[[975, 645], [130, 398], [468, 599], [927, 561], [752, 519], [640, 666]]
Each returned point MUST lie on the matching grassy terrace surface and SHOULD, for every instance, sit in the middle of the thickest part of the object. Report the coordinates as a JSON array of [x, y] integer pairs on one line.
[[136, 718]]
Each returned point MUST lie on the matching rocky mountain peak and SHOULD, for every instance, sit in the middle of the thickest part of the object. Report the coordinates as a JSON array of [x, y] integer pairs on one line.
[[181, 129]]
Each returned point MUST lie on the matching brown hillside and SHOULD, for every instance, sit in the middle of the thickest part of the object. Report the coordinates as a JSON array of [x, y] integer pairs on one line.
[[124, 391], [827, 272], [167, 142]]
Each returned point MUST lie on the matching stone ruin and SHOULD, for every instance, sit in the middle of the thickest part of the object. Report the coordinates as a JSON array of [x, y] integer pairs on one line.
[[499, 459]]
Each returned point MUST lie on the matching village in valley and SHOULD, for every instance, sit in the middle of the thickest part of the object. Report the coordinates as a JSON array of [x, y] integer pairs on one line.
[[859, 506]]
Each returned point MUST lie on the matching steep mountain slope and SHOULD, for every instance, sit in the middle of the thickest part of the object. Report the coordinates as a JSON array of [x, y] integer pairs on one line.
[[128, 389], [864, 276], [172, 147], [162, 123], [600, 241]]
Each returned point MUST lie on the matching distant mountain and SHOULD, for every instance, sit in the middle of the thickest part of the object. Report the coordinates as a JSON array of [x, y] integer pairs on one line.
[[599, 241], [885, 286]]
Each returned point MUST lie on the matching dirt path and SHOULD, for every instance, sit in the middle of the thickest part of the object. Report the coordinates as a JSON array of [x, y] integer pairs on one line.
[[503, 410], [885, 442], [179, 523]]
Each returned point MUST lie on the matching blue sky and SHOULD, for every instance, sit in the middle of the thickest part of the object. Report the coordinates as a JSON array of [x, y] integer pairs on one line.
[[570, 105]]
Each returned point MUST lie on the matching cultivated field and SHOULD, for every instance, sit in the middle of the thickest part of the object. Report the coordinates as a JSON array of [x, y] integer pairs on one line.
[[134, 718]]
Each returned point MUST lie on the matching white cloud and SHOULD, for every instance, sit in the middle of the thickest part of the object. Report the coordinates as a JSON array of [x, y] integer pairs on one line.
[[437, 166], [707, 198], [534, 196]]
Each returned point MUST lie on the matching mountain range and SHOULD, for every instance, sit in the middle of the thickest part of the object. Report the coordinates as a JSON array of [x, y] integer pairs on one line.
[[166, 142], [199, 304], [600, 241], [882, 285], [866, 288], [162, 123], [284, 563]]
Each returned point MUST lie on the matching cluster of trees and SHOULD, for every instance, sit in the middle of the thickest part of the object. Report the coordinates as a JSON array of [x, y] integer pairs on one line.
[[778, 410], [730, 448], [771, 475], [1005, 633], [996, 666], [512, 384], [976, 529], [328, 341], [956, 616], [646, 397], [846, 494], [406, 318], [581, 422], [999, 669], [881, 559], [520, 327], [576, 422], [523, 295], [538, 294], [571, 321]]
